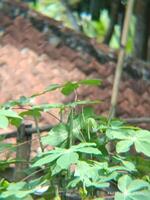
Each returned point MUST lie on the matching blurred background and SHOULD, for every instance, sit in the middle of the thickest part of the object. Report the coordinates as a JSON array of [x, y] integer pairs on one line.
[[102, 20]]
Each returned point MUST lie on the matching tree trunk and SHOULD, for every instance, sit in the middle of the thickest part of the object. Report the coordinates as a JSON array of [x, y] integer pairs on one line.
[[114, 16], [95, 9]]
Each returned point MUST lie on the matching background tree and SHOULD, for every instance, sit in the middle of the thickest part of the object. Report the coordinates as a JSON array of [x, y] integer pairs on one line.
[[142, 29]]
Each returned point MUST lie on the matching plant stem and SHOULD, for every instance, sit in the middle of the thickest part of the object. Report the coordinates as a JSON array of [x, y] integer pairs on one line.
[[38, 134], [70, 135]]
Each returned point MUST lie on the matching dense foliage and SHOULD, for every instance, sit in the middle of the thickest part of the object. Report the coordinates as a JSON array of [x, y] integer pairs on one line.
[[90, 155]]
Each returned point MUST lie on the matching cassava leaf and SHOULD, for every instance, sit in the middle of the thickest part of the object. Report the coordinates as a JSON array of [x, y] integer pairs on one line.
[[132, 189], [139, 138]]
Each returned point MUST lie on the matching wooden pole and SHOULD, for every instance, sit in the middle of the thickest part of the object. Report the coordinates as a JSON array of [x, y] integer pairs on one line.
[[121, 56], [22, 152]]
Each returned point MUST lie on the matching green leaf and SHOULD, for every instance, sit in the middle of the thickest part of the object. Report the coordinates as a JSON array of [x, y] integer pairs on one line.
[[120, 196], [3, 122], [83, 144], [132, 189], [56, 135], [16, 186], [94, 82], [73, 183], [129, 165], [140, 138], [9, 113], [124, 182], [123, 146], [69, 87], [68, 158], [117, 133], [142, 142], [46, 159], [56, 169], [89, 175], [138, 184], [16, 121], [89, 150], [52, 87], [17, 190], [34, 112]]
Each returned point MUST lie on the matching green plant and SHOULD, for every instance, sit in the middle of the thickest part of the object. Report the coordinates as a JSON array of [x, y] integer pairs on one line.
[[80, 159]]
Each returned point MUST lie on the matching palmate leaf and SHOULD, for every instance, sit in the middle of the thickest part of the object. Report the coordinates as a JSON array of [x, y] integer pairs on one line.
[[139, 138], [142, 142], [132, 189], [65, 157]]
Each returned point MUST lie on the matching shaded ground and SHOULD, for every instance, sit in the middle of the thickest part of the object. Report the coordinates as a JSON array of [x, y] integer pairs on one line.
[[36, 51]]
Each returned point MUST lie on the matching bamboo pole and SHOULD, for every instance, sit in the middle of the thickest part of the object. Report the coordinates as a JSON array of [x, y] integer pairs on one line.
[[121, 57]]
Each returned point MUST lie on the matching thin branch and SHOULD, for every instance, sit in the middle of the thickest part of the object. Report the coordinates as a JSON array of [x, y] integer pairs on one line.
[[137, 120], [121, 57], [28, 131], [30, 175], [54, 116]]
